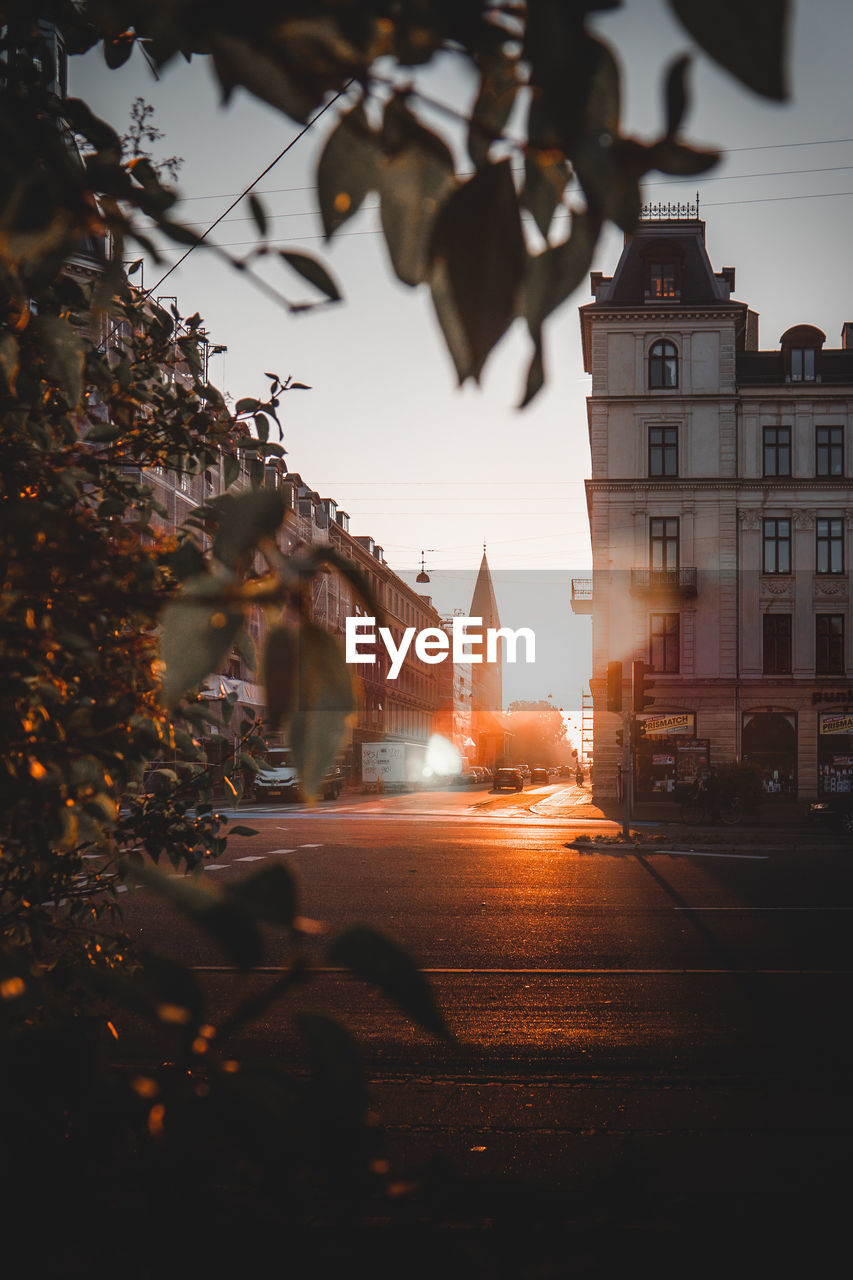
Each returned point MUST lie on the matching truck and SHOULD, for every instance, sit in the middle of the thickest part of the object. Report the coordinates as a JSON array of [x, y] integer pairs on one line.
[[277, 779], [392, 765]]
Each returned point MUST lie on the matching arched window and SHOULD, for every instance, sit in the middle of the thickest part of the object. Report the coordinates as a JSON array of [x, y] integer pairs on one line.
[[663, 365]]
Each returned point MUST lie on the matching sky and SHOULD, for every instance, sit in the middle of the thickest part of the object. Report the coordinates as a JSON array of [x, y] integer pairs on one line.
[[418, 463]]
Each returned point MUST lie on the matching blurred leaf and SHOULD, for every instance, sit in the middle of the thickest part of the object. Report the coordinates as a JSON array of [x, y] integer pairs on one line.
[[223, 919], [63, 351], [268, 896], [415, 182], [242, 520], [258, 213], [197, 635], [118, 50], [348, 169], [324, 703], [674, 157], [545, 176], [337, 1076], [499, 84], [314, 272], [378, 959], [280, 674], [230, 469], [748, 39], [479, 243], [243, 831], [553, 275], [239, 62], [676, 94]]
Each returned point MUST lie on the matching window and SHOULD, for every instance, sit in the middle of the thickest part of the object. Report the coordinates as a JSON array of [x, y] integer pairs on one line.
[[829, 644], [829, 451], [802, 364], [777, 644], [663, 542], [664, 639], [663, 365], [777, 451], [663, 451], [830, 545], [663, 280], [777, 546]]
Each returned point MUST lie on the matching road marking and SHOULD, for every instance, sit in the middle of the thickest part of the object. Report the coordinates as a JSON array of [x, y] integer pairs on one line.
[[762, 908], [216, 866], [705, 853], [254, 857], [272, 852], [310, 846]]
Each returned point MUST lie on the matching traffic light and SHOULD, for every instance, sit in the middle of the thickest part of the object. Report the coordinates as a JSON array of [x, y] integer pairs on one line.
[[620, 737], [642, 695], [614, 686]]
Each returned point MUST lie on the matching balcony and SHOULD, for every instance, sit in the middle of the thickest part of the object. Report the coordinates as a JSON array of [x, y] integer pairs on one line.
[[664, 583], [581, 595]]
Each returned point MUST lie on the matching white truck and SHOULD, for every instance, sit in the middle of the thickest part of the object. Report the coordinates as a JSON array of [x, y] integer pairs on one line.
[[392, 764]]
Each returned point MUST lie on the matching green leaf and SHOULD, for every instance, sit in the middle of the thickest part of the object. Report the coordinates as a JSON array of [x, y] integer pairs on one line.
[[674, 157], [268, 896], [348, 169], [239, 62], [314, 272], [325, 701], [221, 917], [747, 39], [197, 635], [280, 674], [243, 519], [230, 469], [553, 275], [63, 352], [477, 266], [416, 181], [372, 956]]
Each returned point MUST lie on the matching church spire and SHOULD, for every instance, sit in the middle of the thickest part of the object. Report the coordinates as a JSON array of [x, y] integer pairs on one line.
[[484, 602]]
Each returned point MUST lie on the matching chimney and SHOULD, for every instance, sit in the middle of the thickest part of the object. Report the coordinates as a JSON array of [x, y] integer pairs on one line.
[[847, 335]]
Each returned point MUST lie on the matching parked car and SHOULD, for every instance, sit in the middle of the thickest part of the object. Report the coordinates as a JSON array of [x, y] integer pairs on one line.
[[508, 779], [834, 811], [278, 779], [539, 775]]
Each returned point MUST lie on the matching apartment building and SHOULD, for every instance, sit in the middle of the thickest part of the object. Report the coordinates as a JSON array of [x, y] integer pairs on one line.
[[721, 512]]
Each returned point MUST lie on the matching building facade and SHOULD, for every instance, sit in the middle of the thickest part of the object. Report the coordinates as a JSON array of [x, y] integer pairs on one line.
[[721, 516]]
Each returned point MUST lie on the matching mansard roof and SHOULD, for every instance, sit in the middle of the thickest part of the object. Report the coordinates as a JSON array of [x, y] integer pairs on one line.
[[666, 239]]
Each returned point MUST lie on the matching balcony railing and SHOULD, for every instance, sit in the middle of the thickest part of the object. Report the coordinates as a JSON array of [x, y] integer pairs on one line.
[[678, 582], [581, 595]]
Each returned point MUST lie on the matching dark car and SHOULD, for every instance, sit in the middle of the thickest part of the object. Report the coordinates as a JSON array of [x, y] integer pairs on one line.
[[508, 779], [834, 811], [539, 775]]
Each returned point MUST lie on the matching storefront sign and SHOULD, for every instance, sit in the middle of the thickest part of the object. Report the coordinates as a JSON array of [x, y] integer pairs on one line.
[[832, 695], [665, 725], [836, 724], [663, 759]]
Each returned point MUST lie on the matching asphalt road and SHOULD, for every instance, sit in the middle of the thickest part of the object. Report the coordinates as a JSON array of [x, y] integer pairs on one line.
[[682, 1015]]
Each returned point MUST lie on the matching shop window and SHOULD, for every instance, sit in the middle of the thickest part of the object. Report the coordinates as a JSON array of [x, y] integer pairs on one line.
[[829, 451], [769, 743], [663, 365], [829, 539], [664, 641], [829, 644], [777, 546], [663, 543], [777, 451], [777, 644], [663, 451], [835, 751]]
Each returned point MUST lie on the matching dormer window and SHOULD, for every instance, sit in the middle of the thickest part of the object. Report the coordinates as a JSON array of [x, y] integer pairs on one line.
[[663, 280], [801, 348], [663, 365]]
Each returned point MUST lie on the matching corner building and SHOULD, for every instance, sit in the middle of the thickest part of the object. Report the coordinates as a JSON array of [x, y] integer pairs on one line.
[[721, 512]]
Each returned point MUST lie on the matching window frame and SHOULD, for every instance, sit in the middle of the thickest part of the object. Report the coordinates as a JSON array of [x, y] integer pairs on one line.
[[663, 355], [663, 540], [666, 448], [665, 643], [830, 445], [806, 358], [774, 447], [663, 269], [777, 649], [776, 540], [829, 647], [828, 541]]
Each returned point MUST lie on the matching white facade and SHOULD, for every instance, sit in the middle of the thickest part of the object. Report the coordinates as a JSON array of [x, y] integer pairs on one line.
[[720, 511]]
